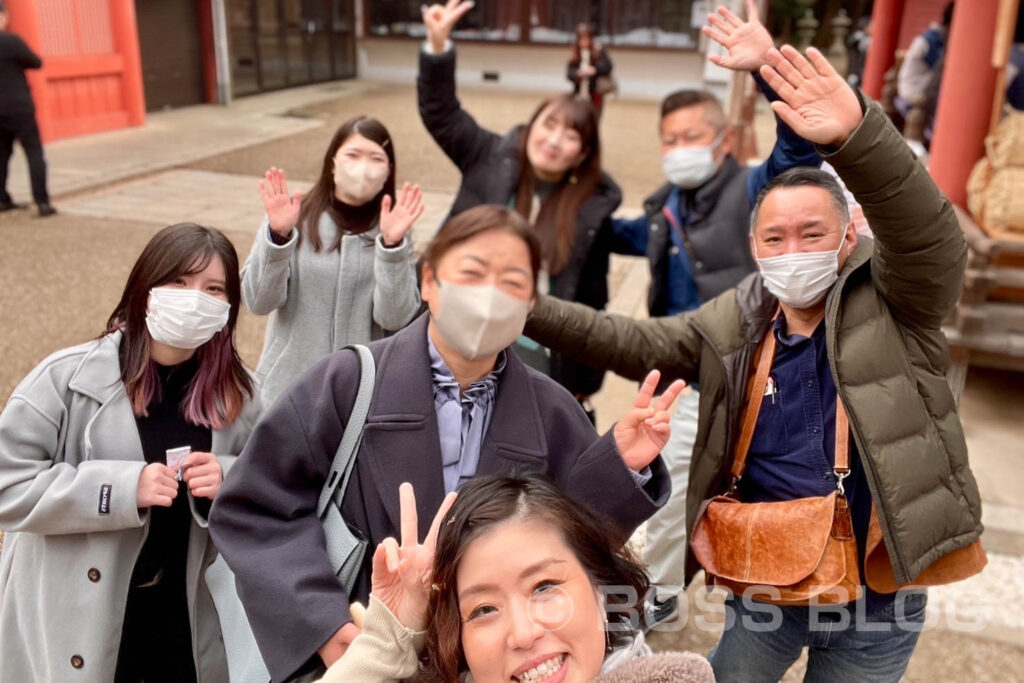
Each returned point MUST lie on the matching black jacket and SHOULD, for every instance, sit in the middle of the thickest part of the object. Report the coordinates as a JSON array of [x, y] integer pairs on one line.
[[15, 57], [264, 518], [718, 240], [602, 67], [490, 172]]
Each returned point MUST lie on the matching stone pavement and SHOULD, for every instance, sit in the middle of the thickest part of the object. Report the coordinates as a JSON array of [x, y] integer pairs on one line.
[[60, 277]]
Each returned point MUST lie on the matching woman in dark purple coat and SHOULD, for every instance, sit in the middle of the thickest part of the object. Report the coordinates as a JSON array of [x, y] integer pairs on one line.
[[450, 403]]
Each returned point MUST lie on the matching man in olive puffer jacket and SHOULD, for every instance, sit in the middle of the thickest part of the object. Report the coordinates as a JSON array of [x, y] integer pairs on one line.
[[859, 320]]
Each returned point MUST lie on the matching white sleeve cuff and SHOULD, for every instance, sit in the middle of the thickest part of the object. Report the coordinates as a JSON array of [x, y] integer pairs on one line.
[[429, 49]]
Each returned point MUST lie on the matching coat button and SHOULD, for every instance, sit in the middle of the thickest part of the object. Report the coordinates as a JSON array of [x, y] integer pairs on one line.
[[77, 661], [94, 575], [699, 265], [654, 227]]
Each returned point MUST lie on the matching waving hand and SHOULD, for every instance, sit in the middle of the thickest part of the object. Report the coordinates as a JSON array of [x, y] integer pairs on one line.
[[748, 42], [816, 102]]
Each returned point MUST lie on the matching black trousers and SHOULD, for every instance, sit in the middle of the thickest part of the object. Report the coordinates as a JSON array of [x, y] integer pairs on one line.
[[22, 127]]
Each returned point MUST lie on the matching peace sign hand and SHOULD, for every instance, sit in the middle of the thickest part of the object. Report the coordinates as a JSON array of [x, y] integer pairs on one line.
[[402, 573], [816, 102], [748, 42], [644, 430], [441, 19]]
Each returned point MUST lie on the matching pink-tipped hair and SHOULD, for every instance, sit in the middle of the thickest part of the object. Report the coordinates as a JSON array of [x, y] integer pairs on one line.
[[213, 399]]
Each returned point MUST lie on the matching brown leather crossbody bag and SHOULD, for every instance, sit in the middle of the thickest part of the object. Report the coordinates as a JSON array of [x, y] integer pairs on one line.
[[791, 552], [787, 552]]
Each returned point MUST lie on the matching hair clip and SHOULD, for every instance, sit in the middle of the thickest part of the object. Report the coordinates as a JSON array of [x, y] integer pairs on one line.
[[436, 587]]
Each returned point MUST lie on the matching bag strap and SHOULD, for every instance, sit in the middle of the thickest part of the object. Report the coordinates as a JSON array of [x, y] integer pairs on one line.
[[765, 355], [345, 457], [678, 227]]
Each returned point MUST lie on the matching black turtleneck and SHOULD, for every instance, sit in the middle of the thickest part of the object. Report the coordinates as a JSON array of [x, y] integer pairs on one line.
[[156, 639], [354, 220]]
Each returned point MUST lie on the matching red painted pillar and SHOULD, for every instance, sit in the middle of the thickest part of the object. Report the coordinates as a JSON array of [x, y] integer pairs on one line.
[[126, 42], [209, 50], [886, 19], [25, 23], [965, 98]]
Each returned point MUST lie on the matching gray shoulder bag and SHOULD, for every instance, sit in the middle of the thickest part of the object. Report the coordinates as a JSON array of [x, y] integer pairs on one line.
[[346, 546]]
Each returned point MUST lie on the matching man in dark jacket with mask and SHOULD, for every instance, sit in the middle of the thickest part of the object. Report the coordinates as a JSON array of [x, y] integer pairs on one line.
[[18, 117], [859, 322], [694, 232]]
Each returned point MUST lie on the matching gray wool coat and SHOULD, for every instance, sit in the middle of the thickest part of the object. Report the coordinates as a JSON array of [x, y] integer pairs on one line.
[[70, 460], [319, 302]]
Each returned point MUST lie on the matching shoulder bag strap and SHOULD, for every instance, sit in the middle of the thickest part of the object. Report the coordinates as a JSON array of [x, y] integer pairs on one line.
[[755, 395], [842, 465], [678, 227], [345, 457]]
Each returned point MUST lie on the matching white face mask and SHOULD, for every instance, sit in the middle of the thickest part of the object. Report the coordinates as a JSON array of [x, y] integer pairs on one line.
[[690, 167], [184, 318], [801, 280], [357, 182], [479, 320]]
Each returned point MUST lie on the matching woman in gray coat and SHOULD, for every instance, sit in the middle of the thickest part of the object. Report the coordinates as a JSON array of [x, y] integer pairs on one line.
[[107, 571], [334, 267]]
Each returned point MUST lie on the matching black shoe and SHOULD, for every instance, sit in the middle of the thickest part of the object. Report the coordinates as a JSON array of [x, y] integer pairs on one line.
[[10, 206], [46, 210], [659, 611]]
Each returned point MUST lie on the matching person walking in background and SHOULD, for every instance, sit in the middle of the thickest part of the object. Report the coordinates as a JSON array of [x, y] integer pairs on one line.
[[548, 171], [334, 267], [111, 453], [590, 68], [919, 78], [18, 117], [695, 234]]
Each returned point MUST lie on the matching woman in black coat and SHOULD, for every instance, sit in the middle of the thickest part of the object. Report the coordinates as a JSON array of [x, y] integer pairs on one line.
[[590, 67], [548, 170], [449, 404]]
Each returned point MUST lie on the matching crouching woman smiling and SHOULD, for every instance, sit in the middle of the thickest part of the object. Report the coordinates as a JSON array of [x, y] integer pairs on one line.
[[525, 585]]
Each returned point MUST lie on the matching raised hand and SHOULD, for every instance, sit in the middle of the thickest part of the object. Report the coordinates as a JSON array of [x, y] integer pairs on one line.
[[441, 19], [817, 103], [395, 222], [282, 208], [402, 573], [748, 42], [644, 430]]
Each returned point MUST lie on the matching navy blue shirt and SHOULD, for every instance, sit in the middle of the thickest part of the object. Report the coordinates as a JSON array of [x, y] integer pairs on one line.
[[792, 452]]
